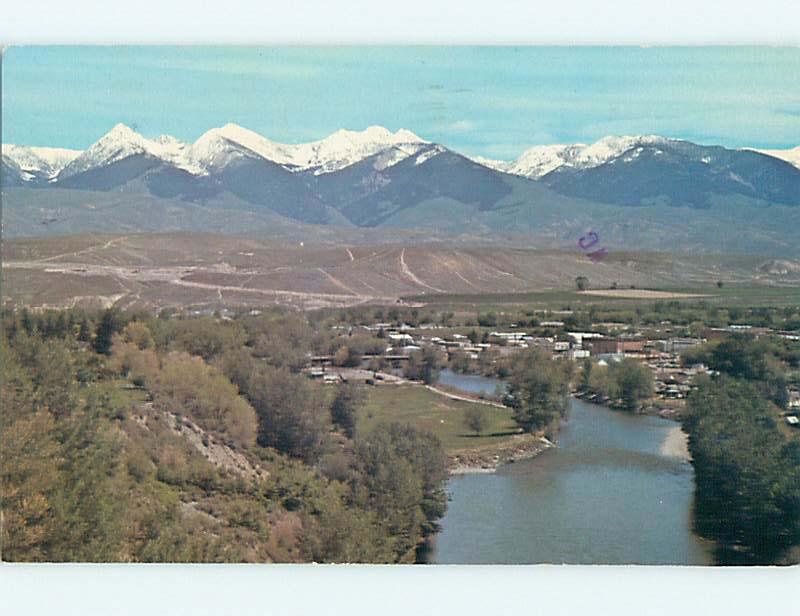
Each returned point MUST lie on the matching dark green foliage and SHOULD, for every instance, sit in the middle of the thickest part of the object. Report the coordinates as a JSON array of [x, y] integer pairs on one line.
[[95, 469], [109, 324], [281, 340], [741, 356], [586, 374], [747, 475], [538, 390], [84, 331], [633, 382], [403, 471], [487, 320], [206, 337], [344, 408], [292, 416]]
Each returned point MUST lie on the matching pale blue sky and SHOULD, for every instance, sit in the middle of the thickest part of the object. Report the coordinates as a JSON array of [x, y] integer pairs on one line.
[[490, 101]]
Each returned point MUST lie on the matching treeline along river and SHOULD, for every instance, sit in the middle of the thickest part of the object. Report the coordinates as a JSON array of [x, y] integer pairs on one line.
[[613, 492]]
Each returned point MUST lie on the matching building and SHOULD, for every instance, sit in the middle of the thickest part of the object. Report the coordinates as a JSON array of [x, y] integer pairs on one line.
[[401, 338], [510, 338], [613, 346], [677, 345], [580, 337]]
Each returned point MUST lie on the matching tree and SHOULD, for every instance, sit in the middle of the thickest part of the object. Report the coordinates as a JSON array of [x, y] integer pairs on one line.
[[476, 419], [291, 413], [719, 284], [402, 475], [747, 475], [539, 390], [582, 282], [186, 385], [344, 408], [741, 356], [633, 382], [84, 331], [342, 356], [28, 473], [106, 328], [586, 374], [139, 334], [424, 365], [206, 337], [460, 361]]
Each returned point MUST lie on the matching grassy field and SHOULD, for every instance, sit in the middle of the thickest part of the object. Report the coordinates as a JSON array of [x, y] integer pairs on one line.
[[426, 410], [742, 295]]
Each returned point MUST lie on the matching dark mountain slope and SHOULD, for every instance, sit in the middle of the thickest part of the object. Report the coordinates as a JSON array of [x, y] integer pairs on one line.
[[368, 197], [679, 173]]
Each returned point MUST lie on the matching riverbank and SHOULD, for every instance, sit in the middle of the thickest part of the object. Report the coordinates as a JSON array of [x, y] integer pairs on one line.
[[606, 495], [672, 409], [676, 444], [487, 459]]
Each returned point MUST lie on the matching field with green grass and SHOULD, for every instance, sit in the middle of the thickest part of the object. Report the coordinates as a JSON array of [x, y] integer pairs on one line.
[[741, 295], [420, 407]]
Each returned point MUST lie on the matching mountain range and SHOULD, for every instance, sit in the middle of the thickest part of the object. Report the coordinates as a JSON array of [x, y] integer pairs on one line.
[[639, 191]]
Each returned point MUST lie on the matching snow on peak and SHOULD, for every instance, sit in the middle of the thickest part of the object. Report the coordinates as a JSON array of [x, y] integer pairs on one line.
[[219, 146], [791, 156], [39, 161], [498, 165], [345, 147], [540, 160], [121, 142]]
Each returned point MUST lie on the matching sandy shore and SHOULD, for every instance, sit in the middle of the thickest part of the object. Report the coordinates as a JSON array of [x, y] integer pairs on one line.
[[488, 459], [676, 444]]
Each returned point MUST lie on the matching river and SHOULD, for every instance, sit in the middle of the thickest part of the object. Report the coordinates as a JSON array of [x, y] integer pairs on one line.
[[612, 493], [470, 383]]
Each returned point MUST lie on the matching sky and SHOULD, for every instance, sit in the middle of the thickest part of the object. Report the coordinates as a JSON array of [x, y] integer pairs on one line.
[[481, 101]]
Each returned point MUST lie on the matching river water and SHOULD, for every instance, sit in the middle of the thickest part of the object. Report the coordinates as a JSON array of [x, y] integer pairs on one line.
[[470, 383], [610, 493]]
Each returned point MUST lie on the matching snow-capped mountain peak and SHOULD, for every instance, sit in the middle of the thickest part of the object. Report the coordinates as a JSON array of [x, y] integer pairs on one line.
[[117, 144], [791, 156], [219, 146], [346, 147], [122, 142], [39, 161], [540, 160]]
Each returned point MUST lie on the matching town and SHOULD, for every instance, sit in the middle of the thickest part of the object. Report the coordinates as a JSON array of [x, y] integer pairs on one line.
[[664, 348]]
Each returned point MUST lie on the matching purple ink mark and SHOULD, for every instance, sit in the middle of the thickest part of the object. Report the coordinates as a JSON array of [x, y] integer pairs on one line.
[[597, 254], [595, 239]]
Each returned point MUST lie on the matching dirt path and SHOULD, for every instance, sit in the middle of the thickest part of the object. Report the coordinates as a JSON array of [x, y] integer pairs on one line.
[[88, 250], [411, 275], [464, 398], [350, 254], [339, 283], [273, 292]]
